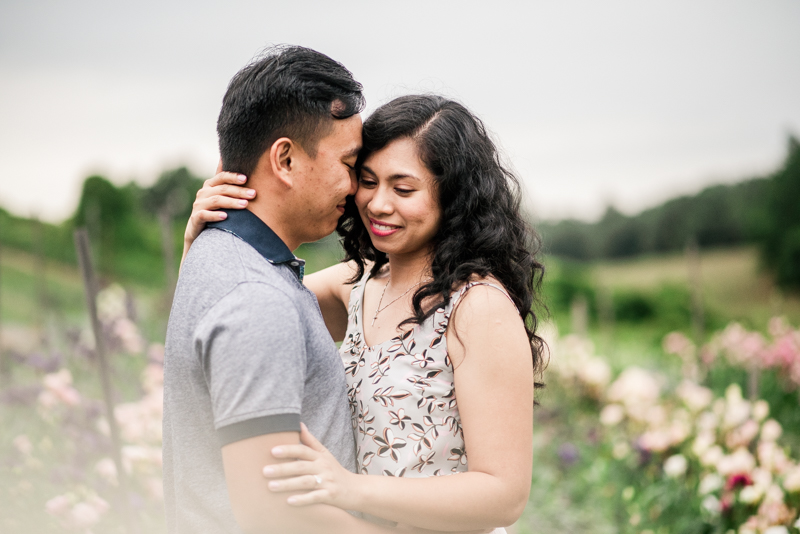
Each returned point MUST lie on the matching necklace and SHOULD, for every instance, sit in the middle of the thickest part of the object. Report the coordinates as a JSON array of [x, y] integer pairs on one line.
[[378, 309]]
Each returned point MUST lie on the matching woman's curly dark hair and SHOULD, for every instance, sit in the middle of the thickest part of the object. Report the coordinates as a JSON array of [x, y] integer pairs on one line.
[[482, 231]]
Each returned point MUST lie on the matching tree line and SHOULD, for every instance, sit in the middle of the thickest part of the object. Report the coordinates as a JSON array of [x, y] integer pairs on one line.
[[127, 225], [764, 211]]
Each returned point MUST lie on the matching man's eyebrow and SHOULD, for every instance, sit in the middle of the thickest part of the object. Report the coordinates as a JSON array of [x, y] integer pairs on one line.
[[353, 152]]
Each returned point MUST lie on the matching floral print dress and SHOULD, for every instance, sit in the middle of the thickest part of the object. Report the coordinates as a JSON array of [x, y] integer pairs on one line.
[[402, 396]]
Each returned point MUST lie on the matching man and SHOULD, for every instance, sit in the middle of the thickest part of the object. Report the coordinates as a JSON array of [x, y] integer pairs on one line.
[[247, 353]]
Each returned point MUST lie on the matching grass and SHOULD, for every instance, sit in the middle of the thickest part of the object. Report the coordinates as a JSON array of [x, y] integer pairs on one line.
[[734, 285]]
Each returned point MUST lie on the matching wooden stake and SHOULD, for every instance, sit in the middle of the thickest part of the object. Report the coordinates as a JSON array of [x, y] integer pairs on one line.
[[90, 285], [696, 289], [580, 316], [168, 250], [40, 274], [605, 312], [5, 367]]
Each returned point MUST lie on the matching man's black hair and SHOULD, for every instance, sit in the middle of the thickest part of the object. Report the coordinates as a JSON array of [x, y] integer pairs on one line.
[[288, 91]]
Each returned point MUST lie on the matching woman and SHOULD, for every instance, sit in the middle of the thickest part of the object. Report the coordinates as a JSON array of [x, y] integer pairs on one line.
[[433, 305]]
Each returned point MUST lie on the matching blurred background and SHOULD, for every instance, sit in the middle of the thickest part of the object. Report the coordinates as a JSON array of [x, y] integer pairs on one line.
[[657, 144]]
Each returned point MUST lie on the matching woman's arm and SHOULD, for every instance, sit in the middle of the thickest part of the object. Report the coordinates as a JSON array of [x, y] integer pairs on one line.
[[225, 190], [494, 387], [333, 294]]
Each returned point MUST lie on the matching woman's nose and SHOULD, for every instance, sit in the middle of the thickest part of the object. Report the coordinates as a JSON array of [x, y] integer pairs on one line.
[[381, 203]]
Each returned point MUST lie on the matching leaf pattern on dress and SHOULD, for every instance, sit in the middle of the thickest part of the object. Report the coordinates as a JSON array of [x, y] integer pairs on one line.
[[387, 396], [388, 444], [399, 418], [404, 432], [424, 460], [379, 367]]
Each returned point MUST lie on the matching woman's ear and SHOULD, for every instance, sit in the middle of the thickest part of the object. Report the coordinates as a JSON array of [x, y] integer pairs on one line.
[[283, 160]]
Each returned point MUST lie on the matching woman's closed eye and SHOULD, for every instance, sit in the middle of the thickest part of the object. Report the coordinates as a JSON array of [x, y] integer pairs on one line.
[[367, 182]]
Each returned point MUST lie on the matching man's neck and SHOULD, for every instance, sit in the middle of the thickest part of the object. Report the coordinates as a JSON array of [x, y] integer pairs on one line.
[[270, 214]]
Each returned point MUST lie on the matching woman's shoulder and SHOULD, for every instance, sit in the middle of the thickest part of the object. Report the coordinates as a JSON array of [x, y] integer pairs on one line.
[[481, 287], [481, 298]]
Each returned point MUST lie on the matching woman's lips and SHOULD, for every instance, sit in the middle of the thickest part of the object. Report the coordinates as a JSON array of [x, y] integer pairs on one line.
[[381, 229]]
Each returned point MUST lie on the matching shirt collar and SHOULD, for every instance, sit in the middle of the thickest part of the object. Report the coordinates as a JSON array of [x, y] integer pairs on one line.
[[245, 225]]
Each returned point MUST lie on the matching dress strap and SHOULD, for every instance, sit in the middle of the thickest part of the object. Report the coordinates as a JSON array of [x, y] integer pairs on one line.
[[463, 290]]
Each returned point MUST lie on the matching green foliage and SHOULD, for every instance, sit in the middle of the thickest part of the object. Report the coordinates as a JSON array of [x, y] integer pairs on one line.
[[781, 239], [566, 280], [718, 216], [123, 224], [174, 191]]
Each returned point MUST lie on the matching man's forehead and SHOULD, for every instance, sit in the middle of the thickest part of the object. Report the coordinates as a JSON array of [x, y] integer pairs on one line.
[[346, 135]]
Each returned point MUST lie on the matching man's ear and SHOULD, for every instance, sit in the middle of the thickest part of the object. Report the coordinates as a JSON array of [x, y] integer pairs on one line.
[[283, 159]]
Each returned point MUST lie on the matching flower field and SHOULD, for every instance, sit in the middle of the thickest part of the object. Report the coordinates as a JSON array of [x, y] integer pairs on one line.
[[648, 434]]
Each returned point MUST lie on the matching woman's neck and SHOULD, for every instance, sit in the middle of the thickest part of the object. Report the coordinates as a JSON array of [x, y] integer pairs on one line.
[[409, 269]]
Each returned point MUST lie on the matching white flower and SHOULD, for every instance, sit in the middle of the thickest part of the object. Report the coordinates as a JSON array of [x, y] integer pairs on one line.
[[107, 470], [634, 388], [612, 415], [760, 410], [742, 435], [694, 396], [708, 421], [655, 440], [771, 430], [84, 515], [750, 495], [774, 494], [791, 481], [675, 466], [712, 456], [595, 372], [59, 386], [762, 479], [736, 412], [711, 504], [58, 505], [710, 483], [733, 394], [703, 442], [780, 529], [23, 444], [741, 461]]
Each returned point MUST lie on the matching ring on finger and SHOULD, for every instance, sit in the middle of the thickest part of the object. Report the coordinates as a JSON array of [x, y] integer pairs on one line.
[[318, 480]]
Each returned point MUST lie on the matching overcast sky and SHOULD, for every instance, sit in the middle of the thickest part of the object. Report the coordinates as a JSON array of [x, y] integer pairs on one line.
[[594, 102]]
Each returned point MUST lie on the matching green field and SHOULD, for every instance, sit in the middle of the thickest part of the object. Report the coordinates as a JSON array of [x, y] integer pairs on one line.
[[734, 284]]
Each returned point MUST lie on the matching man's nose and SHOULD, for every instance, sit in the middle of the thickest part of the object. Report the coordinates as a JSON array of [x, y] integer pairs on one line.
[[353, 183]]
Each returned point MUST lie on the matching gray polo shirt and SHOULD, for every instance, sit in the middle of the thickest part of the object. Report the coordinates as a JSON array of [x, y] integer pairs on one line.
[[247, 354]]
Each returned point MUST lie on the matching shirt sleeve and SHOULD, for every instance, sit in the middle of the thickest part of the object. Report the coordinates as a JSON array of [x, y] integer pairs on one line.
[[253, 354]]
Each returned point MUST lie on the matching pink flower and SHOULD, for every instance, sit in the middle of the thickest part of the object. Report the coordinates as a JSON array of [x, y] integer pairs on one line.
[[59, 387], [58, 505], [23, 444], [738, 481]]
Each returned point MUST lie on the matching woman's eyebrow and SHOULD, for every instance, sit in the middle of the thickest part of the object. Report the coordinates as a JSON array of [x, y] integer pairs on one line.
[[393, 177]]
